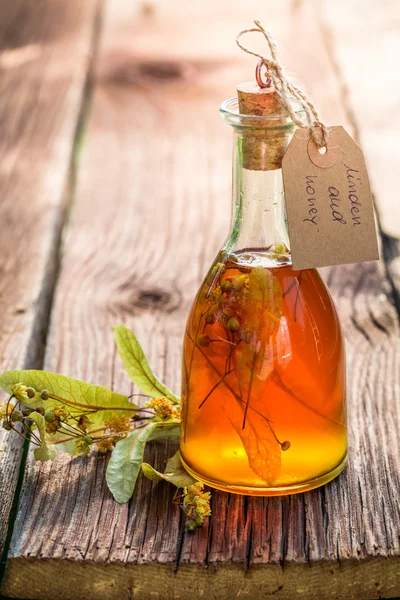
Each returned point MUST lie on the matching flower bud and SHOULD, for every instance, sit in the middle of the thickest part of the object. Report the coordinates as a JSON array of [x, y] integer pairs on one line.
[[31, 392], [190, 525], [49, 416], [204, 340], [226, 286], [233, 324], [7, 425], [210, 318], [278, 248], [40, 410], [44, 394], [17, 415], [285, 445]]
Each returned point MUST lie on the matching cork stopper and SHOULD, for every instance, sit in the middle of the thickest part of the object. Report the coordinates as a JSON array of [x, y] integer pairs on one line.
[[263, 148]]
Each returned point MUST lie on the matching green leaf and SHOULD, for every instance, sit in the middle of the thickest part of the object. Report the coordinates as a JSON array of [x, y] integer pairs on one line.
[[262, 306], [77, 395], [69, 447], [125, 462], [254, 363], [174, 472], [42, 453], [165, 431], [137, 367]]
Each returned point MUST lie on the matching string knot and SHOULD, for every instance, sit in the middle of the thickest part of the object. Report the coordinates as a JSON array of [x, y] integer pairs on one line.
[[285, 89]]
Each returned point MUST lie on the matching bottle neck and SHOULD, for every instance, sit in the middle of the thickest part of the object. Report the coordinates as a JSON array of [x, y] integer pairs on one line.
[[258, 202]]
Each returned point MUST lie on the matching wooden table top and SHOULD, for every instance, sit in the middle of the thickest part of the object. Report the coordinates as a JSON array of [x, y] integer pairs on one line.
[[115, 197]]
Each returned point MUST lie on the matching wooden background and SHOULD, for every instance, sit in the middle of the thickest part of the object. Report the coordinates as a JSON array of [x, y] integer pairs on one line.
[[115, 197]]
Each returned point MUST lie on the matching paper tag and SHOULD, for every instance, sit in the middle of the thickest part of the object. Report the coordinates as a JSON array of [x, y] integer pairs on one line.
[[328, 202]]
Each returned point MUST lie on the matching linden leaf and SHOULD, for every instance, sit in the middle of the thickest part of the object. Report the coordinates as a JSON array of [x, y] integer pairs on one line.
[[137, 367], [261, 313], [64, 443], [43, 453], [165, 431], [174, 473], [262, 302], [254, 364], [262, 449], [71, 393], [125, 462]]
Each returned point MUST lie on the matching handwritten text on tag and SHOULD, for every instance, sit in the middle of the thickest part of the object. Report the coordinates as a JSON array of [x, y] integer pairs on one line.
[[328, 202]]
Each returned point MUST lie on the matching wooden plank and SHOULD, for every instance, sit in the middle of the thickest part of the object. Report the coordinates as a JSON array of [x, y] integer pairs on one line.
[[365, 58], [43, 60], [151, 211]]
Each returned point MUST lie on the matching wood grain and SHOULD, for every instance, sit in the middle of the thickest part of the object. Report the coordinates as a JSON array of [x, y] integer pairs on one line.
[[365, 58], [44, 47], [151, 210]]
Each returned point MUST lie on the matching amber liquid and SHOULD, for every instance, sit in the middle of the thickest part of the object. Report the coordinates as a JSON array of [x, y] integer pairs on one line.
[[263, 400]]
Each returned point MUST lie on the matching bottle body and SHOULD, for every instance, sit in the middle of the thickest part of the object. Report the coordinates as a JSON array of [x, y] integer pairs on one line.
[[263, 392], [264, 379]]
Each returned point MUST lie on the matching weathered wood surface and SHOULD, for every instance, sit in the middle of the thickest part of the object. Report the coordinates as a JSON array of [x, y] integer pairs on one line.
[[151, 210], [43, 59], [364, 41]]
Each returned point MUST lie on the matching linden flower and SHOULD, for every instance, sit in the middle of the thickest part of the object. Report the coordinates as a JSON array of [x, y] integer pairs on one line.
[[5, 411], [163, 408], [118, 423], [54, 419], [20, 391], [83, 445], [196, 504], [106, 445]]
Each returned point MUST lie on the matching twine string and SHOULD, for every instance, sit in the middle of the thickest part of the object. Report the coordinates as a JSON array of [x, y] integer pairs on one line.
[[286, 89]]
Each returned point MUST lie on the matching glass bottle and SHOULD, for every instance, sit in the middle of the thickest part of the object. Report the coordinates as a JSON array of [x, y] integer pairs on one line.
[[263, 394]]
